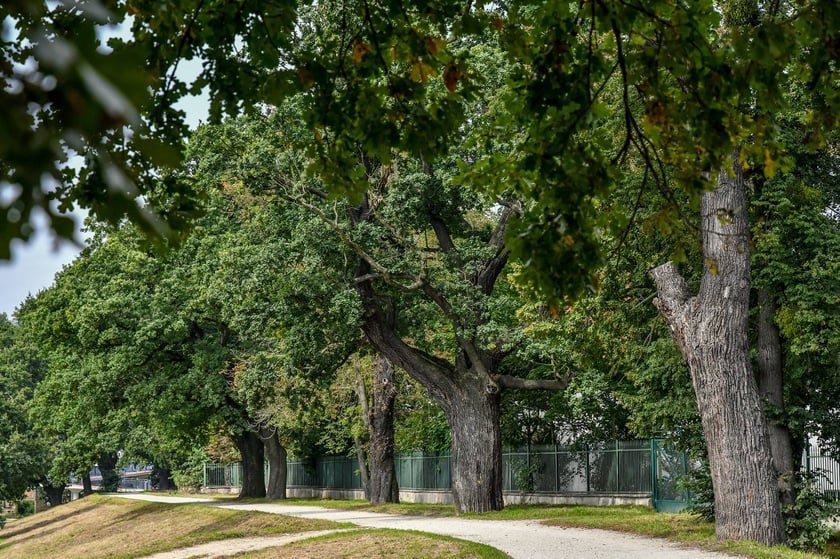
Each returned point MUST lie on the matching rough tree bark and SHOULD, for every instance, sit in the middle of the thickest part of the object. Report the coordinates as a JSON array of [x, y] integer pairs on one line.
[[376, 458], [253, 463], [711, 331], [87, 484], [383, 473], [108, 469], [277, 467], [164, 478], [771, 390], [54, 493]]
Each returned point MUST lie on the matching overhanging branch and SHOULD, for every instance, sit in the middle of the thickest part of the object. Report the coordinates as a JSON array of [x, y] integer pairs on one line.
[[508, 381]]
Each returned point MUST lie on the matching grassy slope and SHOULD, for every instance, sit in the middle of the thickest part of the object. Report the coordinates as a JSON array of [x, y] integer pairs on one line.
[[98, 527], [107, 527]]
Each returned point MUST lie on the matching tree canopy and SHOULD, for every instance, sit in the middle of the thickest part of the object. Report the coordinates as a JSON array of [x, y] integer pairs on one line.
[[413, 172]]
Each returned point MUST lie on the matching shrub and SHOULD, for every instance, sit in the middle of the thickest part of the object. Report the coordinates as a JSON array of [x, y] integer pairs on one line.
[[699, 484], [25, 508], [806, 525]]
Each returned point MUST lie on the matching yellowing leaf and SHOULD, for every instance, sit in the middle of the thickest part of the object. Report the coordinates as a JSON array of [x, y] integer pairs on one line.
[[359, 52], [742, 159], [451, 77], [420, 72], [713, 269], [769, 164], [435, 44]]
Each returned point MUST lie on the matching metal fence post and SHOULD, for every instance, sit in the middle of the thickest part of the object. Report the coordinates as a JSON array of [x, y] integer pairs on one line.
[[653, 468], [617, 466], [204, 474], [587, 468]]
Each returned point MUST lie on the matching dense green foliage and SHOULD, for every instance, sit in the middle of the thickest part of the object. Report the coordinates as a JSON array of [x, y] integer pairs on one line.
[[387, 149]]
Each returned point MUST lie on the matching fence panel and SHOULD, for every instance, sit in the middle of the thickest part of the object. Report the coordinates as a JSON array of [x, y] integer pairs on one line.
[[826, 472], [424, 471], [617, 467]]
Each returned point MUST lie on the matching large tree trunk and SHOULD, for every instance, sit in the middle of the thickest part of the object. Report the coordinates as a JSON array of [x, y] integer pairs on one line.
[[771, 389], [469, 398], [277, 469], [54, 494], [87, 485], [711, 331], [164, 479], [253, 464], [473, 413], [383, 474], [108, 469]]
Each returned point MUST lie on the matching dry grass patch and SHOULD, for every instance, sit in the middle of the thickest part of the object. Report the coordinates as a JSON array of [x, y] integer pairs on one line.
[[109, 527], [380, 544]]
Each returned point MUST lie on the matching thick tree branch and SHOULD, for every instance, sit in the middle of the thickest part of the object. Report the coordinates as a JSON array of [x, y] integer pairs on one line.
[[486, 278], [508, 381], [442, 233], [379, 327], [672, 291]]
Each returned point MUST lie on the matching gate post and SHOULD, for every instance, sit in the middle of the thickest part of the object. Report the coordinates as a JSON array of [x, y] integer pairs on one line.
[[653, 472]]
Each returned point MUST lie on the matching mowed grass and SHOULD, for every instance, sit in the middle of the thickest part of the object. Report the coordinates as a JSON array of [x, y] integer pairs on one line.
[[110, 527], [381, 544]]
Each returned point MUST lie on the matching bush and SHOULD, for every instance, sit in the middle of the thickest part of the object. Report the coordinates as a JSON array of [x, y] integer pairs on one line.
[[25, 508], [806, 525], [189, 475], [699, 484]]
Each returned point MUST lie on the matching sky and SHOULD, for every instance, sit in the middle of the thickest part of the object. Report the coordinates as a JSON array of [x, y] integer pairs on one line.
[[35, 263], [32, 268]]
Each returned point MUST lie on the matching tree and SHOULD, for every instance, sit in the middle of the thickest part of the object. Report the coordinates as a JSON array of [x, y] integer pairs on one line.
[[24, 456], [409, 286], [390, 78], [713, 338], [69, 95]]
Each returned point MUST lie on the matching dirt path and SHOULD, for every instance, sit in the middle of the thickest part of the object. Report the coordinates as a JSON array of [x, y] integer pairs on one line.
[[521, 539]]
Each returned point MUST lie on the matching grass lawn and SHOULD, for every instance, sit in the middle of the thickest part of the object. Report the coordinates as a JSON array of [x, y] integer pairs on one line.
[[382, 544]]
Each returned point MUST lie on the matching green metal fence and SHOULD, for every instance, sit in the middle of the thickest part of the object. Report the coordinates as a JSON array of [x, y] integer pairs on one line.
[[628, 467], [223, 475], [615, 467]]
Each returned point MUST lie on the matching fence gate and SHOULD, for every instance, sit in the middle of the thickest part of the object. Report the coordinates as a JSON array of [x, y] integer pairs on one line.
[[669, 469]]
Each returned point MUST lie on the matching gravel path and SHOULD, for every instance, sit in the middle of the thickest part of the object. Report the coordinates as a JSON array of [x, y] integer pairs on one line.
[[521, 539]]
